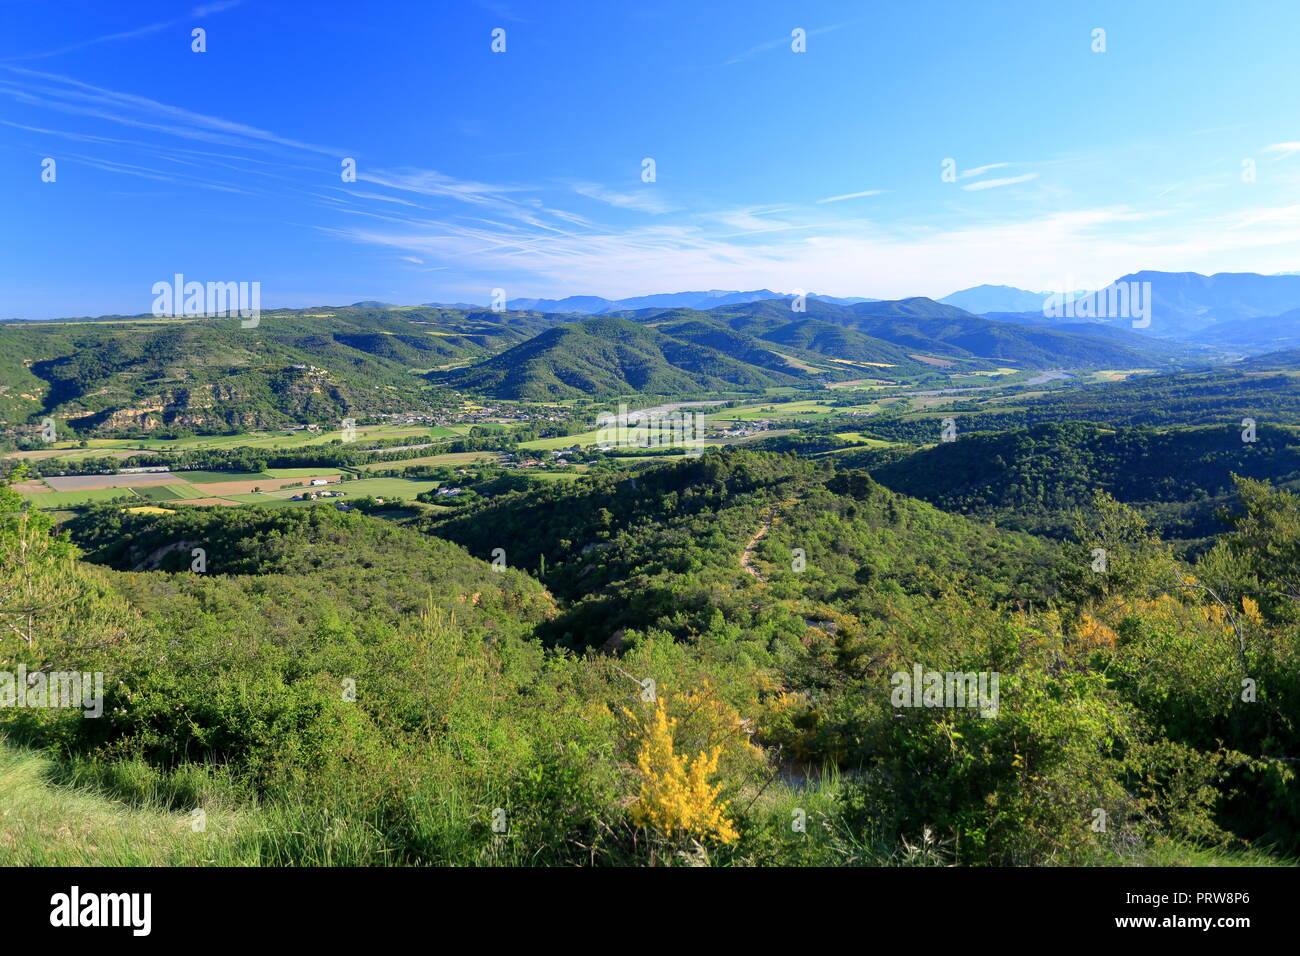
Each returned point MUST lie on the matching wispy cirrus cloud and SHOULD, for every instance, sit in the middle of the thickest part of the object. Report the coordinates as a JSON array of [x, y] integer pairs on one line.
[[778, 250], [789, 246], [782, 42], [981, 170], [860, 195], [197, 13], [144, 172], [225, 160], [999, 183], [429, 182], [65, 94], [502, 10], [641, 201], [1285, 217], [65, 134], [380, 197], [524, 232], [283, 157], [1283, 149]]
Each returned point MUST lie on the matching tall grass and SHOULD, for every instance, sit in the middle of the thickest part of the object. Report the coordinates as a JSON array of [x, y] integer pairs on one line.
[[118, 814], [47, 823]]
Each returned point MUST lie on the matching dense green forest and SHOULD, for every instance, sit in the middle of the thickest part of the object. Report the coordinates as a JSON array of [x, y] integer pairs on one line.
[[1032, 478], [670, 666], [1209, 397]]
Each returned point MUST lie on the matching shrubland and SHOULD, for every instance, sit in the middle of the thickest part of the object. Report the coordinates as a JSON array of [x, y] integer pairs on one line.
[[690, 664]]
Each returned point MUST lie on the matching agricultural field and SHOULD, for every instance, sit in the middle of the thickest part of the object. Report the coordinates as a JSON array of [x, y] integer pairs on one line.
[[798, 410], [265, 500], [296, 473], [206, 477], [374, 487], [67, 451], [277, 440], [182, 487], [70, 499], [450, 458], [79, 482], [859, 438], [223, 488], [584, 439], [177, 492], [1114, 374], [387, 487], [863, 383]]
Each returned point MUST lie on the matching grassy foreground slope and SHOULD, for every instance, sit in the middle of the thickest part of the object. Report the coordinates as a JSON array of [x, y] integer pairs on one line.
[[48, 823]]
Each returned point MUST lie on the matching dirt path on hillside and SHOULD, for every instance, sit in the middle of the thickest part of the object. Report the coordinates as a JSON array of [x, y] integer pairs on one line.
[[747, 556]]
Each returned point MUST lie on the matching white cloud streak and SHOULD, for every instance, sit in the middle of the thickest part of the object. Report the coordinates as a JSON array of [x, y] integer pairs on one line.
[[865, 192], [198, 13], [999, 183]]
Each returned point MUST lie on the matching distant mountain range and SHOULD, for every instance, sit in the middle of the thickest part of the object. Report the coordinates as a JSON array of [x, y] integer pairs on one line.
[[978, 299], [1185, 303], [119, 372], [1245, 310], [596, 305], [1226, 310], [747, 346]]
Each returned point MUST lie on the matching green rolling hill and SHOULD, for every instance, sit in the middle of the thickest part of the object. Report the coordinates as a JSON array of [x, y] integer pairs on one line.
[[611, 356], [210, 374]]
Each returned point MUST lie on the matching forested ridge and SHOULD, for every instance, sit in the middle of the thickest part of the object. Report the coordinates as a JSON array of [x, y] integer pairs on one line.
[[1032, 477]]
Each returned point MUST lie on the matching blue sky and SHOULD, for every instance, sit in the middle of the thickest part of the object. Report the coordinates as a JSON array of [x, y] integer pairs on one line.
[[818, 171]]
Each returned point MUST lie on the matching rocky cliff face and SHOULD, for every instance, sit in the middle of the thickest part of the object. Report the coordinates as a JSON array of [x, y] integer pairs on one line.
[[264, 399]]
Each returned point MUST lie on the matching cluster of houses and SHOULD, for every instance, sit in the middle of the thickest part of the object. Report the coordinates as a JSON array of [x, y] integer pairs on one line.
[[313, 495], [558, 457], [748, 428], [414, 418], [466, 415], [492, 415]]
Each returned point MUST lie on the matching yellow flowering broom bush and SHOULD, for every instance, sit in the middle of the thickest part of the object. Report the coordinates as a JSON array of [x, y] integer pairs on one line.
[[678, 796]]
